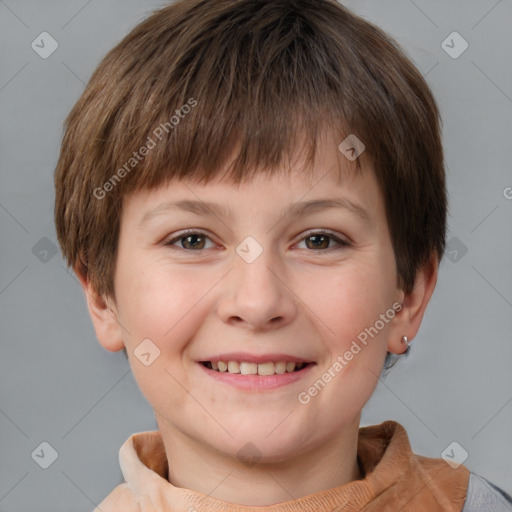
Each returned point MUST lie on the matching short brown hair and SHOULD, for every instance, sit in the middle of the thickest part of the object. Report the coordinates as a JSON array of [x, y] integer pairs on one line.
[[262, 73]]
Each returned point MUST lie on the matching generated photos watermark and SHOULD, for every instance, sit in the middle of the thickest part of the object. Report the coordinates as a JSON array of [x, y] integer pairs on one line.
[[151, 142], [304, 397]]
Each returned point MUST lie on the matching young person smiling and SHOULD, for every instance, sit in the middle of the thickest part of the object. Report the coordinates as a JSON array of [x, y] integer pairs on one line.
[[301, 199]]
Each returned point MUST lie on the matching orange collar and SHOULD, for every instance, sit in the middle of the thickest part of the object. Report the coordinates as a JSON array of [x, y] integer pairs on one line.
[[394, 479]]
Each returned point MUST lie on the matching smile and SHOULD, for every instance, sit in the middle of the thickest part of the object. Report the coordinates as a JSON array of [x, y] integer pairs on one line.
[[247, 368], [256, 377]]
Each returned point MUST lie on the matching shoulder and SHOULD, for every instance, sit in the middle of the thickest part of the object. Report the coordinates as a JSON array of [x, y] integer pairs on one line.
[[483, 495], [121, 498]]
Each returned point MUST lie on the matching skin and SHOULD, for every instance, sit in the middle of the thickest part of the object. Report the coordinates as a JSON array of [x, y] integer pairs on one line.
[[295, 298]]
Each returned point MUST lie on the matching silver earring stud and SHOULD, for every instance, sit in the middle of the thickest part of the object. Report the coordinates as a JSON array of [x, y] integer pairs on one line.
[[406, 340]]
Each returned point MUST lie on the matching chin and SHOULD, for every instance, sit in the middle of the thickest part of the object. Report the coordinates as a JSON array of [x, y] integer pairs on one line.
[[270, 446]]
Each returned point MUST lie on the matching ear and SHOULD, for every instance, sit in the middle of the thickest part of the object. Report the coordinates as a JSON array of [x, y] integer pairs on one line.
[[103, 314], [408, 320]]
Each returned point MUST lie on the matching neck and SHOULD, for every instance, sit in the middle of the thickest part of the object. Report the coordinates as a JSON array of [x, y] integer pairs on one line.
[[195, 466]]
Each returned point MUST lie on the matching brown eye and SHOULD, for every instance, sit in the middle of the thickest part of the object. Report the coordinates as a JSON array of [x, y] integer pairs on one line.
[[190, 240], [318, 242], [321, 240]]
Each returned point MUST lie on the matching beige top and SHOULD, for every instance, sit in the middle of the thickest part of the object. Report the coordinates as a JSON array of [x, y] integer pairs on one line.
[[394, 479]]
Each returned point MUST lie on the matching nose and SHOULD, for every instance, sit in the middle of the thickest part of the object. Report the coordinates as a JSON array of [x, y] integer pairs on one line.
[[256, 294]]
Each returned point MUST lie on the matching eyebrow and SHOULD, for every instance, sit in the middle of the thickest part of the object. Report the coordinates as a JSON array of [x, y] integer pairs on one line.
[[298, 209]]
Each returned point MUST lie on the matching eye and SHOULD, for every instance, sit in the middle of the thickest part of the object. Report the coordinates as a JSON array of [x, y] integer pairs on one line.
[[190, 240], [320, 240], [194, 240]]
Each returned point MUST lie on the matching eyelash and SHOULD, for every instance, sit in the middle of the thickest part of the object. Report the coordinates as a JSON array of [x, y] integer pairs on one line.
[[341, 243]]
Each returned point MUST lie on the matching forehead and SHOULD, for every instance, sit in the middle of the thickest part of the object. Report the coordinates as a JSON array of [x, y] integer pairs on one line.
[[308, 160], [331, 163], [295, 190]]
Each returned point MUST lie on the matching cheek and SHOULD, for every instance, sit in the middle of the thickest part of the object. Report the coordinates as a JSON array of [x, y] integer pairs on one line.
[[164, 307], [161, 304], [141, 309], [348, 306], [349, 302]]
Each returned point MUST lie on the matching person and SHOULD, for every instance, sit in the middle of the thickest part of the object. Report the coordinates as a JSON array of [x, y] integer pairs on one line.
[[252, 195]]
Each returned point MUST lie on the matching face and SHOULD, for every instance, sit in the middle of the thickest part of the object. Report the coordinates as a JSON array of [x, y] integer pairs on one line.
[[257, 281]]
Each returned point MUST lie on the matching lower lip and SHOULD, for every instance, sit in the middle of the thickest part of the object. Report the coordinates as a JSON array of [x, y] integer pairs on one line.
[[258, 382]]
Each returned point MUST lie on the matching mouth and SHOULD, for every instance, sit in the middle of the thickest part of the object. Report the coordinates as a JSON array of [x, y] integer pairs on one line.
[[256, 372], [264, 369]]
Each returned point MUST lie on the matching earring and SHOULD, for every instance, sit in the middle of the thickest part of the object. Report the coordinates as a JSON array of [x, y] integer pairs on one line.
[[405, 340]]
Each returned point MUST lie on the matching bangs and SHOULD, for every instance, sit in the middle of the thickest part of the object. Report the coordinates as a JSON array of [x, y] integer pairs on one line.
[[251, 90], [205, 89]]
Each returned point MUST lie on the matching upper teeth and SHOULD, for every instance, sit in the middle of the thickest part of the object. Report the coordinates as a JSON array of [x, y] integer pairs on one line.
[[244, 368]]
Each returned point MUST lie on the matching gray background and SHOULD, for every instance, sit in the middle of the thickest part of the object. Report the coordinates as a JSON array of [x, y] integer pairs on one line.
[[58, 385]]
